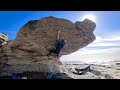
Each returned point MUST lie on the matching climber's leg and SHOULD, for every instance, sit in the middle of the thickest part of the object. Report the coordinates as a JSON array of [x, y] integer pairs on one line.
[[52, 51], [57, 53]]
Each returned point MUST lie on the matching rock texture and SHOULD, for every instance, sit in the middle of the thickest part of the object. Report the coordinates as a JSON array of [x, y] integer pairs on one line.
[[29, 50]]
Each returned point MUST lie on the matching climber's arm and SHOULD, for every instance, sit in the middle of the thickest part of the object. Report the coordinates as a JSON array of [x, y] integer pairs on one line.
[[58, 35]]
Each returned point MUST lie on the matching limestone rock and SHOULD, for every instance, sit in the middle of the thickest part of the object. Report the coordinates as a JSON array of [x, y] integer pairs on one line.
[[3, 39], [29, 50]]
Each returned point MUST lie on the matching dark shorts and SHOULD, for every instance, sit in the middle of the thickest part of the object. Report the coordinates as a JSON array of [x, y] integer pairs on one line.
[[58, 46]]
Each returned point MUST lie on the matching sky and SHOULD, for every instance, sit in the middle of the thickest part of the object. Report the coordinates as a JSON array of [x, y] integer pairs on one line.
[[106, 47]]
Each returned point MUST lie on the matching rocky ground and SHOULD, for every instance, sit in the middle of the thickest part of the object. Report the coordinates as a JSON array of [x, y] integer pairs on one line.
[[36, 75], [109, 70]]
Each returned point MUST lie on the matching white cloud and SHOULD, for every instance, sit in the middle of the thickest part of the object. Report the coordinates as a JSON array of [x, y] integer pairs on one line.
[[104, 44], [110, 36], [98, 39], [89, 56], [109, 39]]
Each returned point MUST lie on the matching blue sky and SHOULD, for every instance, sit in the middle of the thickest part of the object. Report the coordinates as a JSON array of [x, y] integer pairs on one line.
[[107, 31], [12, 21]]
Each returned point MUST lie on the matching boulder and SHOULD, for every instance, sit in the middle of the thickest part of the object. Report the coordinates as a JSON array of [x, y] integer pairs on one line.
[[29, 50]]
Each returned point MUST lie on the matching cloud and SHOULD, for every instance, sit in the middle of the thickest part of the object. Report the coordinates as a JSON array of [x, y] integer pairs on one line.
[[109, 39], [98, 39], [92, 56], [102, 44]]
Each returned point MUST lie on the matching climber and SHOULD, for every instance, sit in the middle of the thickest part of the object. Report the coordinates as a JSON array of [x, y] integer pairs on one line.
[[3, 39], [58, 46]]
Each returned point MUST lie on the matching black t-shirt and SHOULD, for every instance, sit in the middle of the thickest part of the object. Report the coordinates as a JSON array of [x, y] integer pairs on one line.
[[60, 45]]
